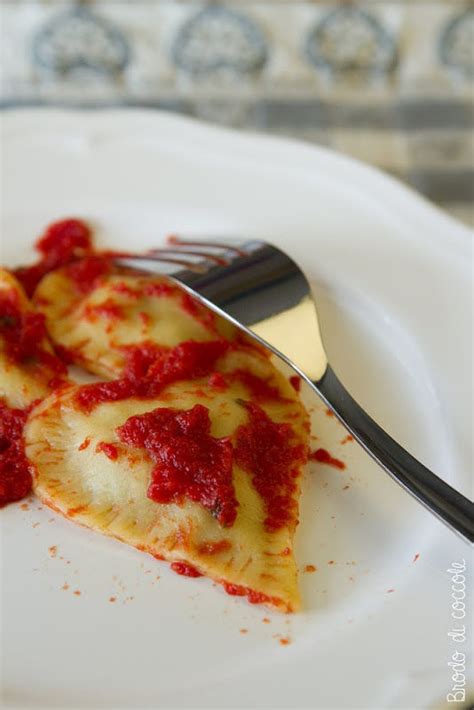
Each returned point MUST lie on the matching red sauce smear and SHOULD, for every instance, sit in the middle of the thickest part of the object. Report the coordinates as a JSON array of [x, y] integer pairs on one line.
[[86, 272], [64, 354], [185, 569], [61, 243], [15, 469], [265, 450], [162, 289], [189, 304], [107, 309], [323, 456], [236, 590], [145, 374], [187, 360], [125, 290], [109, 450], [295, 382], [24, 334], [196, 310], [189, 462], [145, 319], [258, 387], [139, 359], [75, 511], [218, 381], [84, 444]]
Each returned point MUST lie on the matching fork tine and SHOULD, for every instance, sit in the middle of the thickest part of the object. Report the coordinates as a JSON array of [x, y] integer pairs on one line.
[[175, 240], [151, 256], [192, 252]]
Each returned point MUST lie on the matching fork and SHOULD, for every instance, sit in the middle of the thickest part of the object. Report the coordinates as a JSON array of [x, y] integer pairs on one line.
[[263, 291]]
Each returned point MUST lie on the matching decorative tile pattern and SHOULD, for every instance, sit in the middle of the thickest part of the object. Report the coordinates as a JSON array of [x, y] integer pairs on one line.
[[218, 38], [388, 82], [351, 39], [78, 39], [457, 43]]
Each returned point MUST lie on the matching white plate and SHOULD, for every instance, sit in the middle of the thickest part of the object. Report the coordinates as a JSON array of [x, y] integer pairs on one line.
[[392, 279]]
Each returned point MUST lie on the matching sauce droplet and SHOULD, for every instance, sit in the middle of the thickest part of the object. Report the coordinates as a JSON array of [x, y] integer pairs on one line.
[[323, 456]]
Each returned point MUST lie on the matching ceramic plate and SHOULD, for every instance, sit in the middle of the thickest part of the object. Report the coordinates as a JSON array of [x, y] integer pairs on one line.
[[391, 275]]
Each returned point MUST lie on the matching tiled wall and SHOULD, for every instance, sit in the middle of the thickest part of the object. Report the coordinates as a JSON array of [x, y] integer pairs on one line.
[[389, 82]]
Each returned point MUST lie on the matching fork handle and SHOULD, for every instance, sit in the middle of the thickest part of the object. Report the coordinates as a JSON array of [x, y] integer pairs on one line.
[[456, 511]]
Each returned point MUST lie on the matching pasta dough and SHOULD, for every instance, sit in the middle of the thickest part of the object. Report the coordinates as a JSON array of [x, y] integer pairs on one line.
[[86, 471]]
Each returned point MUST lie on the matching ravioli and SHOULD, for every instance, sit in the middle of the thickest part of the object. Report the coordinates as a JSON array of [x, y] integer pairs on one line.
[[90, 466], [28, 366], [97, 316], [28, 371]]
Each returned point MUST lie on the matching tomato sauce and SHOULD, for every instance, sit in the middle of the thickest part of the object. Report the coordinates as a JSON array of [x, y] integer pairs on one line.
[[265, 449], [109, 450], [295, 382], [185, 569], [139, 358], [124, 289], [15, 469], [108, 309], [145, 374], [323, 456], [86, 272], [189, 462], [188, 360], [61, 243], [23, 334], [161, 288], [258, 387], [189, 304], [236, 590], [218, 381]]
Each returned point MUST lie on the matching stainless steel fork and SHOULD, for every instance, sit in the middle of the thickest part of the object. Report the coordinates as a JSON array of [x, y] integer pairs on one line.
[[264, 292]]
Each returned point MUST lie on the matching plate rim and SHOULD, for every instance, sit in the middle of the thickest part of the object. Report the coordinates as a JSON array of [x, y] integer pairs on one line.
[[420, 210], [396, 190]]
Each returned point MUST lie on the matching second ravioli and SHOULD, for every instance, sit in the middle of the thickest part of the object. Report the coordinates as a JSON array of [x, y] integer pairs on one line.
[[98, 317]]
